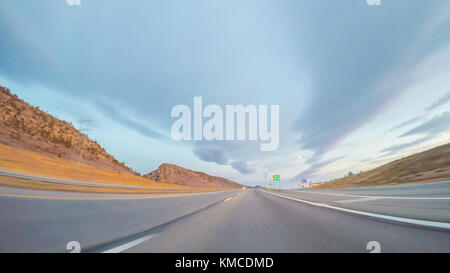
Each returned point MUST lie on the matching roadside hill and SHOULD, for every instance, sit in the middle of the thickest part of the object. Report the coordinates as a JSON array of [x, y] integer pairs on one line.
[[173, 174], [36, 143], [430, 165], [26, 127]]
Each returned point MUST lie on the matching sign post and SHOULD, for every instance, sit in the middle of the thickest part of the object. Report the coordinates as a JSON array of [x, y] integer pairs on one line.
[[276, 178]]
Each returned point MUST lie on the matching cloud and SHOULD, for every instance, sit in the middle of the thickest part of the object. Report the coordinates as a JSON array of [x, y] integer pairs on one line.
[[243, 167], [211, 155], [220, 156], [344, 100], [315, 168], [441, 101], [437, 125], [429, 129], [400, 147], [118, 117], [408, 122], [330, 80]]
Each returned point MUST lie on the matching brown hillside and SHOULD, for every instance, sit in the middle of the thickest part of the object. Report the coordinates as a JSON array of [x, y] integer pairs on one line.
[[430, 165], [26, 127], [27, 162], [173, 174]]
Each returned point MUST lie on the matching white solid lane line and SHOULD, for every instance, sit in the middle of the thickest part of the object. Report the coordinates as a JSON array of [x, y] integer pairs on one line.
[[130, 244], [381, 197], [374, 215], [228, 199], [359, 200]]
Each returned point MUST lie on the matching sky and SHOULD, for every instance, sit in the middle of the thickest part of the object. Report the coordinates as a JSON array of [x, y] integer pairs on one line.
[[357, 85]]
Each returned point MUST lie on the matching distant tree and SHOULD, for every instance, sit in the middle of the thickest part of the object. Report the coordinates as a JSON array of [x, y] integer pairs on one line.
[[350, 173]]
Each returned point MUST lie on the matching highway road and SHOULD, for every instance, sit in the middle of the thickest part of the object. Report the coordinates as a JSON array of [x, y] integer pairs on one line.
[[412, 218]]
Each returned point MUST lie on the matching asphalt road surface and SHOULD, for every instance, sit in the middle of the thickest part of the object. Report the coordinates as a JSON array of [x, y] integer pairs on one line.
[[413, 218]]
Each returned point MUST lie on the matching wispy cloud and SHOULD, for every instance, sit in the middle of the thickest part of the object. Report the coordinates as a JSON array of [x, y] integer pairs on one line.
[[342, 104], [315, 168], [437, 125], [428, 130], [118, 117], [400, 147], [408, 122], [243, 167], [441, 101], [208, 154], [220, 156]]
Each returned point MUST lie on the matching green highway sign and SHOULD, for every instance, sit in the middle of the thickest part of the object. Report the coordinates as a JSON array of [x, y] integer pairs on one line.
[[276, 177]]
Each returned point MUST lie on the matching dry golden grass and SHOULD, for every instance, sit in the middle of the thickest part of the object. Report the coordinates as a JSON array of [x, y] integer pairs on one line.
[[26, 127], [428, 166], [27, 162], [36, 143], [45, 186]]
